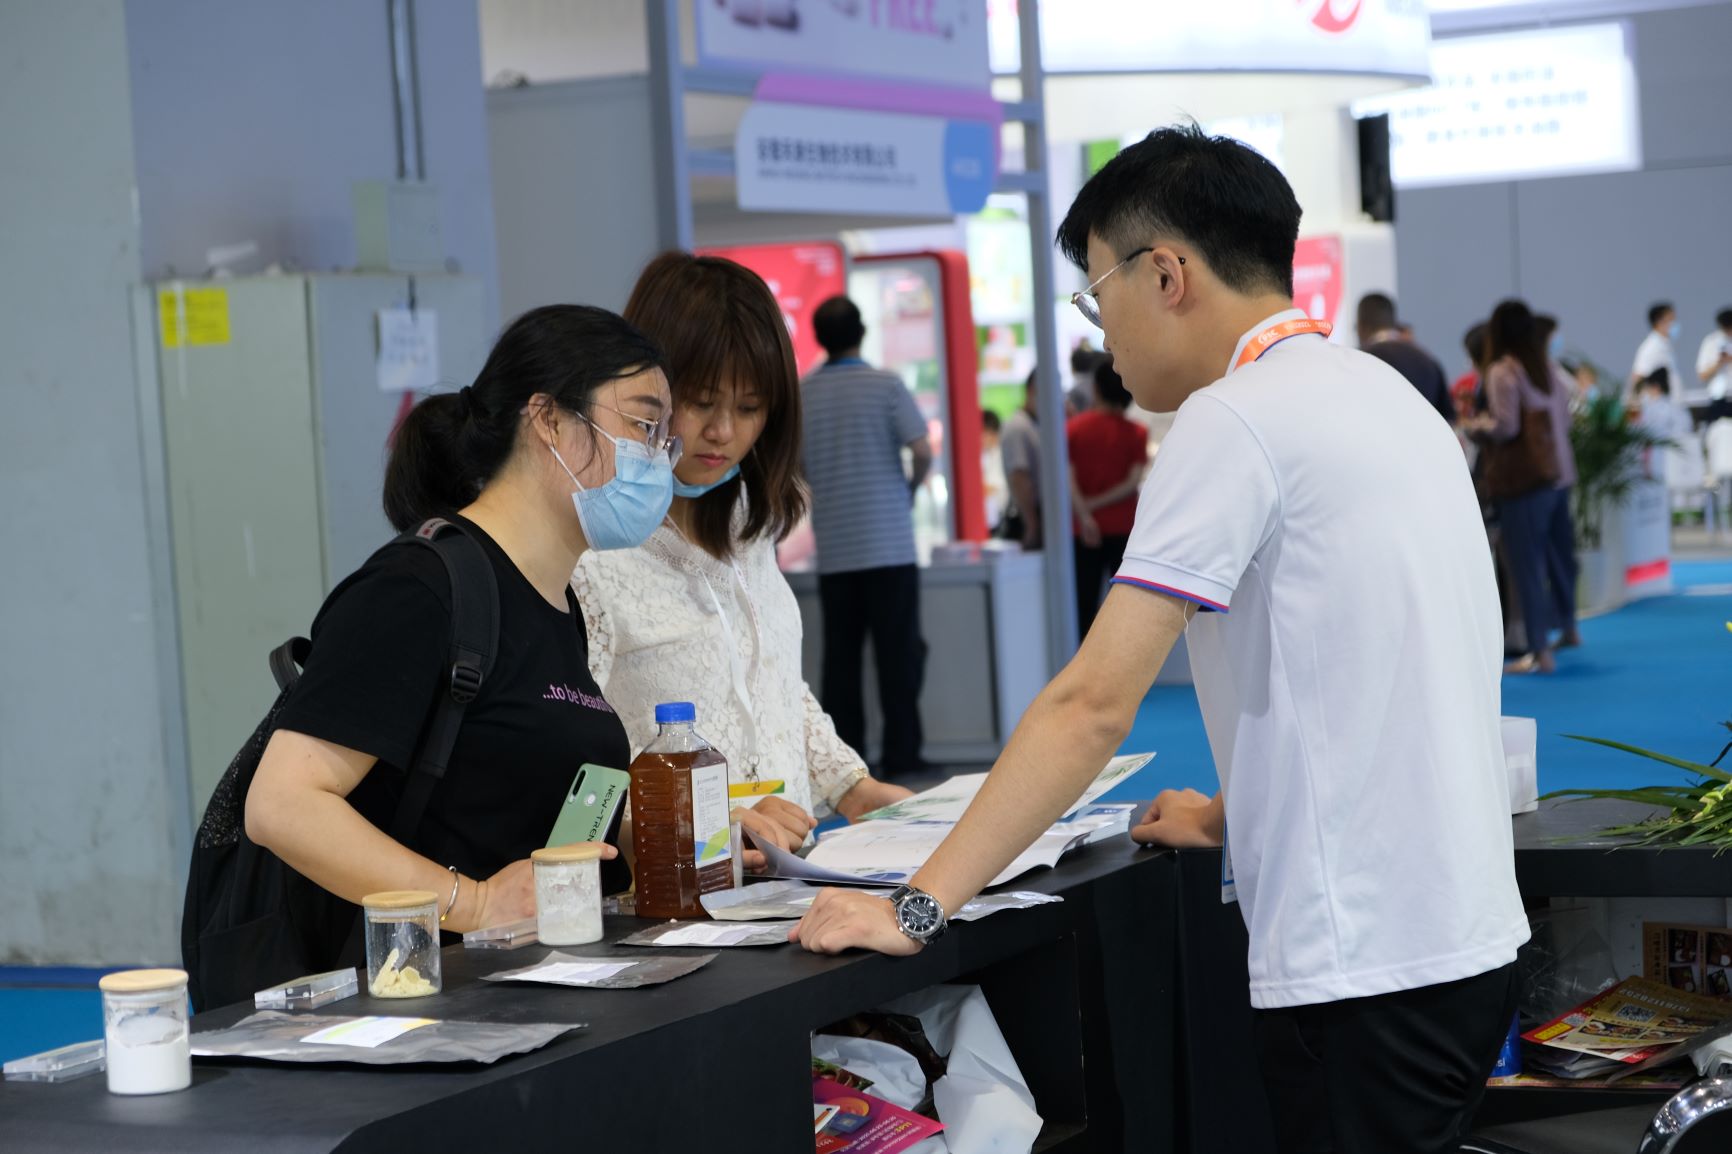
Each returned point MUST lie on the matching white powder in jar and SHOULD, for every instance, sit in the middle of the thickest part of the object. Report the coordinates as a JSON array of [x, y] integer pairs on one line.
[[148, 1054], [568, 903]]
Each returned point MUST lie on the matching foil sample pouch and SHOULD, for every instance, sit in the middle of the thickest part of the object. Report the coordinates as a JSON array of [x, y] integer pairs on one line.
[[374, 1040], [605, 971], [707, 935]]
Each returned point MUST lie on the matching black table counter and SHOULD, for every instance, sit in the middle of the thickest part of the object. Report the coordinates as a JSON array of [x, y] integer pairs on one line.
[[1125, 1006], [715, 1061]]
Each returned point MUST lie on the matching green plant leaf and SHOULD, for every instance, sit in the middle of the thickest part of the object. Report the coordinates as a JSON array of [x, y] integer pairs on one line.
[[1657, 796], [1695, 767]]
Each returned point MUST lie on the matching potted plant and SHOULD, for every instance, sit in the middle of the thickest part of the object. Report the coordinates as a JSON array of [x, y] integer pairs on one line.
[[1608, 448], [1697, 812]]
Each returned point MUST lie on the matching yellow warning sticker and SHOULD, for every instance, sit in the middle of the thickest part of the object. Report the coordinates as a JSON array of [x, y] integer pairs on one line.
[[193, 316]]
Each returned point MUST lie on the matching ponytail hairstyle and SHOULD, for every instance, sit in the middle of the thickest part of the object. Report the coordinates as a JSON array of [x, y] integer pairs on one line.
[[452, 444], [720, 324], [1511, 332]]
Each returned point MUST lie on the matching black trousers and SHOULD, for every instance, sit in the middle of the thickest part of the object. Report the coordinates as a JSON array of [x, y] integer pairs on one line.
[[1095, 566], [885, 605], [1399, 1073]]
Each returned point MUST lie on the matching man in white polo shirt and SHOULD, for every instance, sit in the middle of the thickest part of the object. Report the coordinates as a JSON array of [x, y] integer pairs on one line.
[[1313, 515]]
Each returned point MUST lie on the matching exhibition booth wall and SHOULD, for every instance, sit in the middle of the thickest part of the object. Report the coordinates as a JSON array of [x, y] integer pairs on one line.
[[1594, 250]]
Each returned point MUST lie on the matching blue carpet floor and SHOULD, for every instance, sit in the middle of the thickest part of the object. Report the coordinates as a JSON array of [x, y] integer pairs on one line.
[[1654, 674]]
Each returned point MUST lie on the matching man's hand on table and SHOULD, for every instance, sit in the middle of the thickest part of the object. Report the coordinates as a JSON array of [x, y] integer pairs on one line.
[[1181, 819], [844, 919]]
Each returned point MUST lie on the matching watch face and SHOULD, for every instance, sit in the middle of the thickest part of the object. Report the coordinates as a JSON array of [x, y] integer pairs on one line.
[[919, 914]]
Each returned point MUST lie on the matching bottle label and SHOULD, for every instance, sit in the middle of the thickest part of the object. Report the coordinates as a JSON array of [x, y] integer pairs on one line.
[[710, 815]]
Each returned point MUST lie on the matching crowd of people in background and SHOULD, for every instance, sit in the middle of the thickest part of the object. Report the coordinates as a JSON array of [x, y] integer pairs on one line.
[[1512, 410]]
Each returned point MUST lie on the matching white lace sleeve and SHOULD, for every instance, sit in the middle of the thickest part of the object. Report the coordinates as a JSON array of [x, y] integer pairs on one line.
[[587, 582], [834, 767]]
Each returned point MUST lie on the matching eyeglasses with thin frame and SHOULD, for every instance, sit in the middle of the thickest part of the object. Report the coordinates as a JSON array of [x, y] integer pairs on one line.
[[658, 434], [1088, 301]]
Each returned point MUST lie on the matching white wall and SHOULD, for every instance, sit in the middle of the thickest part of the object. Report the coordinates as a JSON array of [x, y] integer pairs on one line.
[[136, 135], [89, 863], [547, 41], [573, 174], [1595, 250], [253, 122]]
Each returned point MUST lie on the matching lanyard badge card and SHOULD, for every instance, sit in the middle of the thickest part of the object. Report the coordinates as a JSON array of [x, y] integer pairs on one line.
[[1229, 891]]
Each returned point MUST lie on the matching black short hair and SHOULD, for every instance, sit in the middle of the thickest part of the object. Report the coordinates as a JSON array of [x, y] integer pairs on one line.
[[1473, 342], [1083, 359], [1376, 312], [1658, 310], [837, 325], [1723, 318], [989, 421], [1182, 184], [1109, 387]]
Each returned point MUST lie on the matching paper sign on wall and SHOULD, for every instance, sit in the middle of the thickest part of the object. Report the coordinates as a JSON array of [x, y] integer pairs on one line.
[[193, 317], [408, 350], [794, 158], [937, 42]]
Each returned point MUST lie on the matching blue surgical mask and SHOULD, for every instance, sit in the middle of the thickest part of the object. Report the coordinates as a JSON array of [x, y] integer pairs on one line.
[[624, 512], [681, 489], [1557, 346], [1677, 327]]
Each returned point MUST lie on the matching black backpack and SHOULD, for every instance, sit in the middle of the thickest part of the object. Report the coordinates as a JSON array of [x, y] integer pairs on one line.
[[241, 930]]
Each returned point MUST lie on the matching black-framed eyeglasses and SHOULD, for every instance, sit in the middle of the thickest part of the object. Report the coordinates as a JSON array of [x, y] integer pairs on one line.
[[1088, 301]]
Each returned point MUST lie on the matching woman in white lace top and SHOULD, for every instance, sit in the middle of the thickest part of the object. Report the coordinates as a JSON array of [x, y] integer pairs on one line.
[[701, 612]]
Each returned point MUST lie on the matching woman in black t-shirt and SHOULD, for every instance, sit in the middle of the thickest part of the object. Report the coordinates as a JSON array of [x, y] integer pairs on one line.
[[571, 409]]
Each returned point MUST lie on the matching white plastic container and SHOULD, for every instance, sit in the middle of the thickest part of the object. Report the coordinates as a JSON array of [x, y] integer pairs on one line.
[[403, 944], [144, 1017], [567, 894]]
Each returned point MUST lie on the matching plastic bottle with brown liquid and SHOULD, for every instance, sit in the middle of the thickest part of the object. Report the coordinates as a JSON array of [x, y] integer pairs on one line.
[[679, 818]]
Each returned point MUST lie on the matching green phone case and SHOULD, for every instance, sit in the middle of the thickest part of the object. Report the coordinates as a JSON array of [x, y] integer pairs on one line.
[[596, 794]]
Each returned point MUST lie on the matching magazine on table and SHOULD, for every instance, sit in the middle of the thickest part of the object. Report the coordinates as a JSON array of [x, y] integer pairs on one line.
[[1638, 1023], [847, 1120], [889, 845]]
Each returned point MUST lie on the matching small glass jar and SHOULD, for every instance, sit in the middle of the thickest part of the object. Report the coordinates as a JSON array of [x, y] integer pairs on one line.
[[567, 894], [402, 944], [144, 1027]]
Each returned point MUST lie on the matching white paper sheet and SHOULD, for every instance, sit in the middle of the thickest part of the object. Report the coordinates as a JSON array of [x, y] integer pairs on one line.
[[723, 933], [572, 973], [948, 801], [788, 900], [892, 852], [366, 1032]]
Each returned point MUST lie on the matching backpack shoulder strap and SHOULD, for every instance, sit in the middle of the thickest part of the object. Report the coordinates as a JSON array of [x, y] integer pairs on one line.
[[474, 644], [287, 661]]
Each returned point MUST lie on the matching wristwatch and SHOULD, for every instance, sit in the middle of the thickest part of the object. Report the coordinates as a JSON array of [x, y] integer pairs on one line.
[[919, 914]]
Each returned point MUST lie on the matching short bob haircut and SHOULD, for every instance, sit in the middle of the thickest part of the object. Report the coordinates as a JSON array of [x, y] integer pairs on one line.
[[718, 324]]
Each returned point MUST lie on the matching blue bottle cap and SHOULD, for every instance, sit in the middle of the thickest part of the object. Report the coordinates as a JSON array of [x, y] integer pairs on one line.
[[675, 712]]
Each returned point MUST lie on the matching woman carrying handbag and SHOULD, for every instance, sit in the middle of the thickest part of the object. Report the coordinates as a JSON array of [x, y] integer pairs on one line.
[[1529, 470]]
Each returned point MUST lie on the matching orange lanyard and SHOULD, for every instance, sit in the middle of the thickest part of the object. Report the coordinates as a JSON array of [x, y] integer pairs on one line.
[[1275, 334]]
